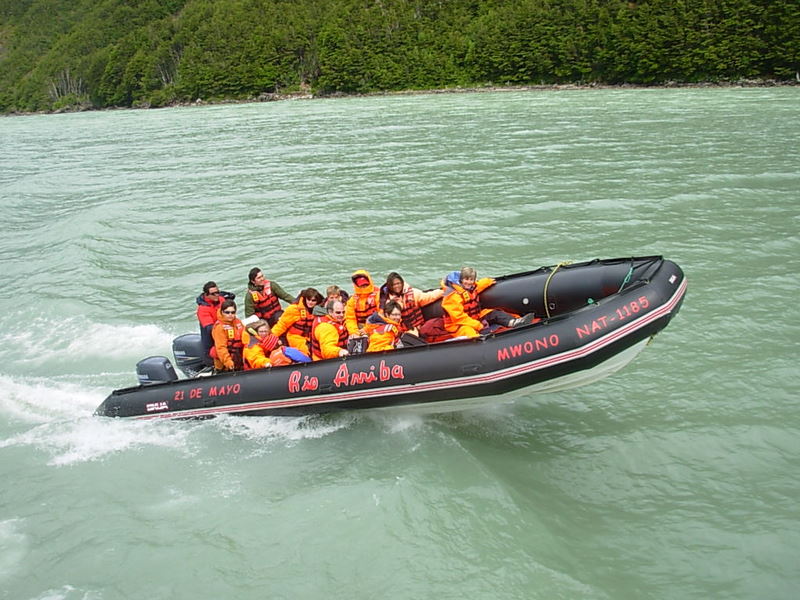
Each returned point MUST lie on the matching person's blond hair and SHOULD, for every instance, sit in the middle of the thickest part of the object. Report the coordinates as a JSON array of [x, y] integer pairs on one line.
[[468, 273]]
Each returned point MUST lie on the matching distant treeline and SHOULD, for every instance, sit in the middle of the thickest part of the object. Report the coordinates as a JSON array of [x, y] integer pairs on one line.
[[100, 53]]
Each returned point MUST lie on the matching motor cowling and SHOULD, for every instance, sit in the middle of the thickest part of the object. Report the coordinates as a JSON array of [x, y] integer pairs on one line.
[[190, 355], [155, 369]]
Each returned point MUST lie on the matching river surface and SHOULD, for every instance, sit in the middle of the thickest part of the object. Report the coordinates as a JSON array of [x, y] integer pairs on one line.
[[678, 477]]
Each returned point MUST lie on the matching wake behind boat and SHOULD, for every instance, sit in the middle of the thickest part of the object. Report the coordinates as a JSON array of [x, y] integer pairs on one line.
[[596, 317]]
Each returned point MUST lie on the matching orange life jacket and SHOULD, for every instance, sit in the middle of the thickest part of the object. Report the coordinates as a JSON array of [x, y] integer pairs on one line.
[[304, 324], [469, 299], [316, 350], [365, 305], [265, 303], [412, 313], [235, 344]]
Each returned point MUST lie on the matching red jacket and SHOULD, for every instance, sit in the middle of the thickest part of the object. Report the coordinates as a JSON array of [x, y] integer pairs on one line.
[[207, 308]]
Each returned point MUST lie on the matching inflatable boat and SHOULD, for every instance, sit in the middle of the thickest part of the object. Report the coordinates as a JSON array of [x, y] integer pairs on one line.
[[594, 318]]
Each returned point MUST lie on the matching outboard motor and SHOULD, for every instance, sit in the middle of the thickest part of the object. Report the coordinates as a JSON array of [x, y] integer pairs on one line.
[[190, 356], [155, 369]]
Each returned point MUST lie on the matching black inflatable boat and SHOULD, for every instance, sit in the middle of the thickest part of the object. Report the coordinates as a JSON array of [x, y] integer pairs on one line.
[[595, 318]]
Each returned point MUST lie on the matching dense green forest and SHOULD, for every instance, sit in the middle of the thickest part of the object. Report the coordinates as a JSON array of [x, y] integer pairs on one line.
[[101, 53]]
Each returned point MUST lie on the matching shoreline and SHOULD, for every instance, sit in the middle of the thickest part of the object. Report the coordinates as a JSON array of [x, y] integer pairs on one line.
[[306, 95]]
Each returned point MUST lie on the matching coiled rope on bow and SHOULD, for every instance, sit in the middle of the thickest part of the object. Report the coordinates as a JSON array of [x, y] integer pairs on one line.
[[547, 284]]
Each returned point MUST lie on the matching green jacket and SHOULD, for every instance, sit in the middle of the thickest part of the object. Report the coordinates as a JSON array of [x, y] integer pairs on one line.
[[249, 305]]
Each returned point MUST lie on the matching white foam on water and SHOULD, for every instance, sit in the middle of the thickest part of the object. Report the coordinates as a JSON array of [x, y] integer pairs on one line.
[[64, 427], [94, 438], [177, 499], [40, 400], [398, 421], [119, 341], [14, 545], [58, 420], [76, 339], [283, 428], [68, 592]]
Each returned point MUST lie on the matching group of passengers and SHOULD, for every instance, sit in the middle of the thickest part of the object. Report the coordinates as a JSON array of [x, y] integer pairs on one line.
[[317, 327]]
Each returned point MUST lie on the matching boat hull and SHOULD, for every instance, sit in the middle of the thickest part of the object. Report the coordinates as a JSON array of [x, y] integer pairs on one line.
[[602, 313]]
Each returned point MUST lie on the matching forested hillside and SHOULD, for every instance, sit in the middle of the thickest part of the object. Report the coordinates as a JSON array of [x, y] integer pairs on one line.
[[100, 53]]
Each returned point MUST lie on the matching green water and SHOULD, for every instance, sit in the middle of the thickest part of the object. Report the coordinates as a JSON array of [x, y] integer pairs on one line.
[[675, 478]]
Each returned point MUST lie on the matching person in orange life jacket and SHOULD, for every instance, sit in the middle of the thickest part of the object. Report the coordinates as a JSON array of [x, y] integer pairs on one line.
[[329, 334], [463, 314], [410, 299], [262, 343], [361, 304], [297, 320], [333, 292], [230, 339], [262, 297], [384, 327], [208, 304]]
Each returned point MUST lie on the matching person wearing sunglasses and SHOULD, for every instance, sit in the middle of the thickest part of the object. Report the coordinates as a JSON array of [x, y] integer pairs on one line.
[[208, 305], [230, 339]]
